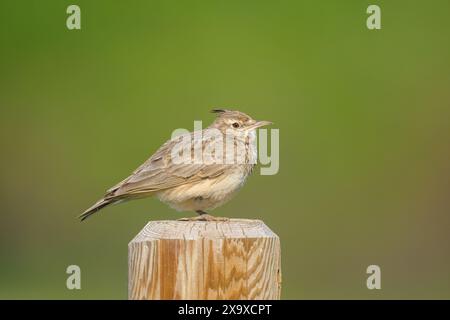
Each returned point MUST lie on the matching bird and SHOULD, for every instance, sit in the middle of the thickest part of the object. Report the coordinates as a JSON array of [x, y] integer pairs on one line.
[[187, 185]]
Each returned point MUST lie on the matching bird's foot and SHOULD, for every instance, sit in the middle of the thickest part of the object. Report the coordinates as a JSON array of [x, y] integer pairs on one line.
[[204, 217]]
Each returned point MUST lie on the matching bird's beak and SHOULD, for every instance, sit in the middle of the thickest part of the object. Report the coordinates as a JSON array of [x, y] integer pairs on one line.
[[259, 124]]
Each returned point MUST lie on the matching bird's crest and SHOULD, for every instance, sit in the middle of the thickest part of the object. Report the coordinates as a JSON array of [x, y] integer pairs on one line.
[[220, 111]]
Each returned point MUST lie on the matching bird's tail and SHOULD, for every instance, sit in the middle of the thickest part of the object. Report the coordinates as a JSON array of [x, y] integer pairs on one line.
[[97, 206]]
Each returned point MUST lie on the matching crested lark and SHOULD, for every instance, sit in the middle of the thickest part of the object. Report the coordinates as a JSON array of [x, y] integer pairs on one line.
[[201, 184]]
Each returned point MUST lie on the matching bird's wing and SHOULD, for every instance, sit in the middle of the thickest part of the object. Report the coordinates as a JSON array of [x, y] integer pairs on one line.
[[161, 172]]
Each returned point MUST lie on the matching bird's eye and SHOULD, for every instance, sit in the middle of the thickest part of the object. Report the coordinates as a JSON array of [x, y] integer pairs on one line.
[[235, 125]]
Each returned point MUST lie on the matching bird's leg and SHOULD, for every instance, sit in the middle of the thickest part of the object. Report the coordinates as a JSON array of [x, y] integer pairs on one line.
[[204, 216]]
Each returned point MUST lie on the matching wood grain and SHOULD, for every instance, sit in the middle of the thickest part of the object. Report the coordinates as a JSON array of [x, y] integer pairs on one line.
[[235, 259]]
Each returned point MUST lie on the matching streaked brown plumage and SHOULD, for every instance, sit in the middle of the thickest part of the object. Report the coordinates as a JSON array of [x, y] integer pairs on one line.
[[188, 186]]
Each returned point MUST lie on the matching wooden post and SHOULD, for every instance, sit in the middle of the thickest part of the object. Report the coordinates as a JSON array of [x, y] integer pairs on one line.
[[235, 259]]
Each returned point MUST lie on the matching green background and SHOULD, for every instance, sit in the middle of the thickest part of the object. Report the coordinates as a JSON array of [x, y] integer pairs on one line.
[[364, 135]]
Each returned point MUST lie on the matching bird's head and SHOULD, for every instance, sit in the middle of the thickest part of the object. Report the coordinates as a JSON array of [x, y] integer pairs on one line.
[[235, 121]]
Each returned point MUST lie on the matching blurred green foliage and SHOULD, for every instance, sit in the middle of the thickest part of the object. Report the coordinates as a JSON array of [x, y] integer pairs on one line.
[[364, 135]]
